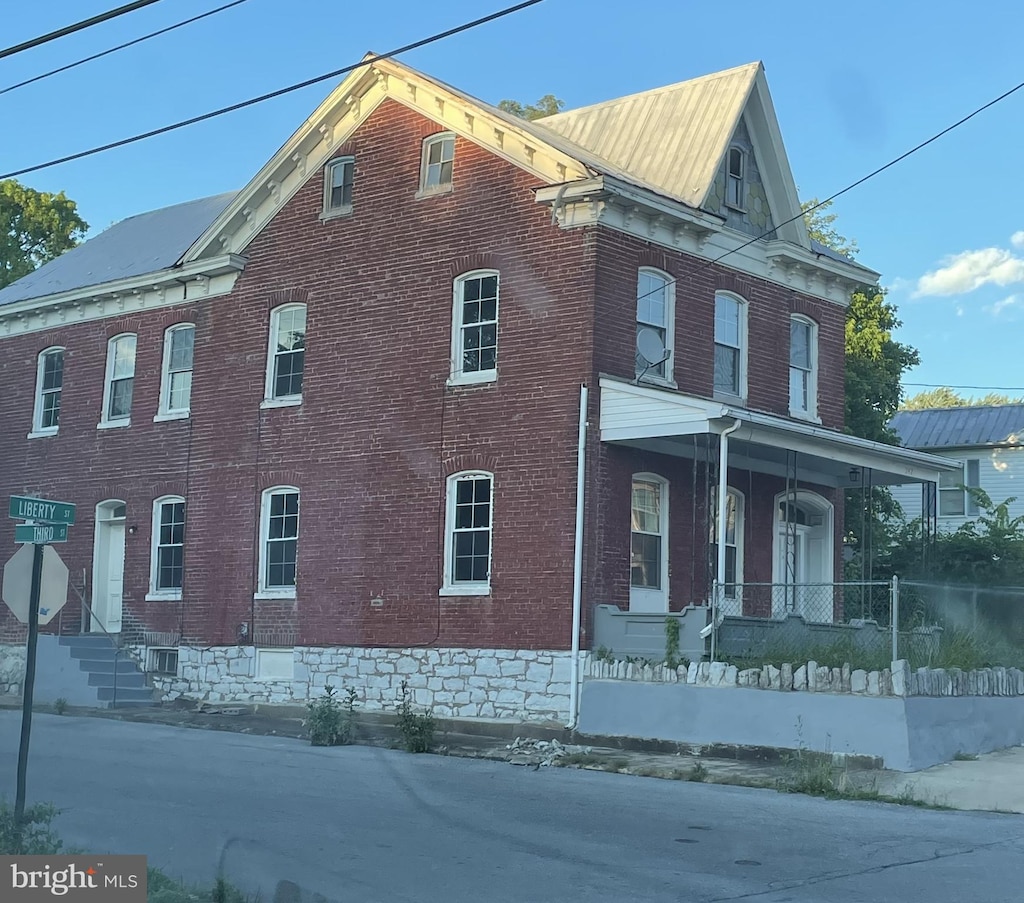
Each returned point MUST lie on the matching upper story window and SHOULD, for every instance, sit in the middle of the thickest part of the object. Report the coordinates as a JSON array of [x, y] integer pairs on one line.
[[168, 555], [735, 178], [475, 328], [279, 542], [954, 499], [338, 178], [655, 318], [803, 367], [438, 158], [730, 345], [176, 376], [120, 381], [286, 356], [467, 550], [49, 383]]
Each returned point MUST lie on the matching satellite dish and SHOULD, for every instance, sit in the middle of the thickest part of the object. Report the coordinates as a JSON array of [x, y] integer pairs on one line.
[[650, 347]]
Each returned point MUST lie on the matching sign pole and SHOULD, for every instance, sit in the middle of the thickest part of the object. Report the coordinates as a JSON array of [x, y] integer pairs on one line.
[[30, 681]]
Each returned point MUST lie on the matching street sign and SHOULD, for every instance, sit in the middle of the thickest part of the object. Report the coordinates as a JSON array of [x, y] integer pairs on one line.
[[17, 584], [44, 533], [42, 509]]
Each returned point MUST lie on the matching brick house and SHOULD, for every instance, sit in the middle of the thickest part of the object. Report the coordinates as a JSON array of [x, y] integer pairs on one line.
[[436, 383]]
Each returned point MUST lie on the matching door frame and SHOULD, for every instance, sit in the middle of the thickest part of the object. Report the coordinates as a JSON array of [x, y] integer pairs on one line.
[[107, 515], [648, 599], [817, 506]]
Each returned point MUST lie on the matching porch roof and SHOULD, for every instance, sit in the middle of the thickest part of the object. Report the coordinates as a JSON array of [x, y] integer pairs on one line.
[[668, 422]]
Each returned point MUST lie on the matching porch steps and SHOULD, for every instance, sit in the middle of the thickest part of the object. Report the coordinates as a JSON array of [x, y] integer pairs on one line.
[[94, 673]]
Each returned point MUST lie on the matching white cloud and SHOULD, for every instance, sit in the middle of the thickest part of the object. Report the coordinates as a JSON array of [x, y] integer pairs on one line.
[[1007, 304], [1017, 239], [969, 270]]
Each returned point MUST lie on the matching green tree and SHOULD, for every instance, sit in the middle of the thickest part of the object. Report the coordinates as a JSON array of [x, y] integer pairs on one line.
[[548, 105], [35, 227], [820, 224], [945, 397]]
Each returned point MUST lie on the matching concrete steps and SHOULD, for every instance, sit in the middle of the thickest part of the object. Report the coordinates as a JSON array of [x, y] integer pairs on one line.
[[89, 671]]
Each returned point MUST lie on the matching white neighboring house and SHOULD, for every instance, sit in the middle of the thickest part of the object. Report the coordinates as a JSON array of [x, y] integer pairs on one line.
[[987, 439]]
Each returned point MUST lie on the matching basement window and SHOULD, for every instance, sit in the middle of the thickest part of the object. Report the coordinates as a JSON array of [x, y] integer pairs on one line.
[[163, 661]]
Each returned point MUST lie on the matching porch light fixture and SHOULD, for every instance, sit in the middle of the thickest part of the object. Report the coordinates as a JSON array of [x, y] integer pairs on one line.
[[854, 474]]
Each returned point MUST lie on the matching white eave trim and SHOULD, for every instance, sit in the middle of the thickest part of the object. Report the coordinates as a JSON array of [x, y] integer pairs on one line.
[[163, 288]]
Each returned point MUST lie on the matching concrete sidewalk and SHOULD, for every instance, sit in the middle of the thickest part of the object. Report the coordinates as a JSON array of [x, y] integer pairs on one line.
[[992, 782]]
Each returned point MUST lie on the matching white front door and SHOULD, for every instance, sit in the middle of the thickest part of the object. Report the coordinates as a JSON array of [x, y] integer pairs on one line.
[[648, 553], [108, 582]]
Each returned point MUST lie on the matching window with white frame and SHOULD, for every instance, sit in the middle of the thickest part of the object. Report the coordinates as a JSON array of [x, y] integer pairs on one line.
[[168, 558], [733, 539], [655, 303], [338, 178], [730, 345], [735, 176], [49, 383], [467, 552], [120, 382], [286, 357], [438, 159], [279, 542], [176, 377], [954, 499], [475, 328], [803, 367], [648, 523]]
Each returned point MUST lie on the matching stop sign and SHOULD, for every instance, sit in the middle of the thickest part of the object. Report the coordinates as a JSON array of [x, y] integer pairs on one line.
[[17, 584]]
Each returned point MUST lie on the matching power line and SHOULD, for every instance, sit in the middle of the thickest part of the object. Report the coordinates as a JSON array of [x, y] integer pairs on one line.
[[264, 97], [78, 26], [103, 53], [983, 388]]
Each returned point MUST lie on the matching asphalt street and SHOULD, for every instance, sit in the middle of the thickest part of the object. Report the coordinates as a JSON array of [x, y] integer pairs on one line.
[[364, 824]]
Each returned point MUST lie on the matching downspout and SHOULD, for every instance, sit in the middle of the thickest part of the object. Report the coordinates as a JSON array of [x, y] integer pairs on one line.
[[723, 489], [577, 564], [556, 206]]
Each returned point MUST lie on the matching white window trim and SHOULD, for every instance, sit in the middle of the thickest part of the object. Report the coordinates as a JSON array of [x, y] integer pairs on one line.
[[670, 326], [741, 514], [743, 349], [812, 380], [430, 140], [962, 486], [39, 431], [739, 208], [449, 587], [458, 377], [269, 401], [329, 212], [262, 590], [663, 485], [105, 422], [155, 594], [164, 411]]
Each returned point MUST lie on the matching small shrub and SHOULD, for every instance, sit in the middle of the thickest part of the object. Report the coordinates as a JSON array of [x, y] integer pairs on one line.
[[36, 837], [161, 888], [331, 720], [698, 774], [416, 728], [672, 642], [603, 654], [60, 705]]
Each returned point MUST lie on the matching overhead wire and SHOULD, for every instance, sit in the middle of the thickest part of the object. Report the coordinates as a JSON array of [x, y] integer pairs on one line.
[[278, 93], [77, 26], [102, 53]]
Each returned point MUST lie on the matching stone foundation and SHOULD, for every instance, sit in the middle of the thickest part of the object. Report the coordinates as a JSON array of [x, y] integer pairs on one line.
[[12, 669], [453, 682]]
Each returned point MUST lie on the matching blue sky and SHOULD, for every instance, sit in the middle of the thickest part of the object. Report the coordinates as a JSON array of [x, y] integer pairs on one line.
[[853, 86]]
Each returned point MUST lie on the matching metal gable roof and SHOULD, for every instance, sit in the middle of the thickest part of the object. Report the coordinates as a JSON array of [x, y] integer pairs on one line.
[[962, 427], [138, 245]]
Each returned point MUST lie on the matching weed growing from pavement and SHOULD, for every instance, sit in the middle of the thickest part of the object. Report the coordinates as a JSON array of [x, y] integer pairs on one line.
[[60, 705], [416, 728], [965, 757], [332, 720]]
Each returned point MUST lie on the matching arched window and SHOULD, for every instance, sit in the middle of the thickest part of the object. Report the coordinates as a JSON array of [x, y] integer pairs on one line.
[[475, 327], [655, 314], [438, 160], [279, 542], [648, 544], [49, 384], [286, 356], [803, 367], [339, 176], [734, 511], [120, 381], [167, 569], [735, 178], [469, 507], [730, 345], [176, 375]]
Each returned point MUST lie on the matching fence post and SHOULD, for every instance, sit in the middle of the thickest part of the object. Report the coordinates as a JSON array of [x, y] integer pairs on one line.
[[716, 588], [895, 592]]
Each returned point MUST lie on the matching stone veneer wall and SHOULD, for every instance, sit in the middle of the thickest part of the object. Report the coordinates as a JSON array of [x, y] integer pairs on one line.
[[461, 683], [12, 669], [899, 680]]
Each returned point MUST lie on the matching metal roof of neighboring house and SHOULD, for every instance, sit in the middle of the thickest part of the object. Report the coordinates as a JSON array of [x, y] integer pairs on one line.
[[963, 427], [672, 137], [140, 244]]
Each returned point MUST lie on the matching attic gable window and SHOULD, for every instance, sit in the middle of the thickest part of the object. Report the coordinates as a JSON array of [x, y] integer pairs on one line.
[[338, 178], [735, 175], [438, 159]]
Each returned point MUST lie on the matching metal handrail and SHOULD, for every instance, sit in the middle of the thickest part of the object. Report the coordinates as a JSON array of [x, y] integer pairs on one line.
[[87, 608]]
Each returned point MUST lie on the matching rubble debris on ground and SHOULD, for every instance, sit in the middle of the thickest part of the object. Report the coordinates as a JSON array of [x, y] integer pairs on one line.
[[526, 751]]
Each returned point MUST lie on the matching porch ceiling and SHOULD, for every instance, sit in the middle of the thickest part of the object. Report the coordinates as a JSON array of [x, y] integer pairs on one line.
[[667, 422]]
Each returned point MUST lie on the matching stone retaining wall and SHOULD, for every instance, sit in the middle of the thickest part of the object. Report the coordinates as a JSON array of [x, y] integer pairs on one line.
[[12, 669], [899, 680]]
